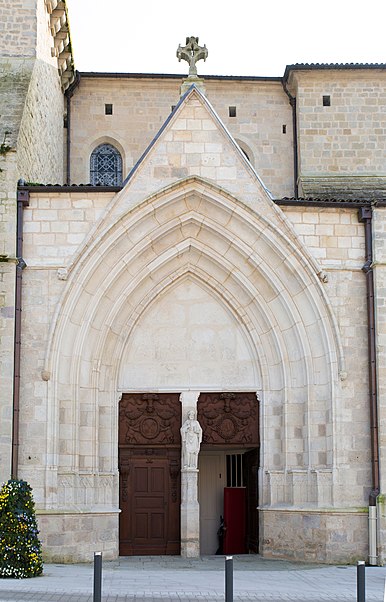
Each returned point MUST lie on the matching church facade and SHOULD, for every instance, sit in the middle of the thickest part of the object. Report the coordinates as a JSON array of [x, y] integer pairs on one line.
[[179, 249]]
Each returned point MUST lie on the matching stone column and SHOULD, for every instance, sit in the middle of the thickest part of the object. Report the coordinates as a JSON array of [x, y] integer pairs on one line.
[[190, 509]]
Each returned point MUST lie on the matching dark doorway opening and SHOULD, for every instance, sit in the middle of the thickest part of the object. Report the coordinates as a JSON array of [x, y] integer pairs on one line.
[[229, 462]]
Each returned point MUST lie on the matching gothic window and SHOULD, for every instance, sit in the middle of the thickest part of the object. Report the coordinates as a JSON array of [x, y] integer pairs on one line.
[[106, 166]]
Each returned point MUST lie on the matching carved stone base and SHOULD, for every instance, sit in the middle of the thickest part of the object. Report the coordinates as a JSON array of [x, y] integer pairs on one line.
[[75, 536], [189, 81], [327, 536], [190, 514]]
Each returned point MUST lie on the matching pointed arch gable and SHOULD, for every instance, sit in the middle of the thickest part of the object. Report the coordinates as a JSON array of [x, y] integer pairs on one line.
[[198, 231], [197, 204]]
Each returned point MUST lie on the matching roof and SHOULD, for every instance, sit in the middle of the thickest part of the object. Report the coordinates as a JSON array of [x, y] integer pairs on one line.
[[330, 66], [285, 201], [112, 75]]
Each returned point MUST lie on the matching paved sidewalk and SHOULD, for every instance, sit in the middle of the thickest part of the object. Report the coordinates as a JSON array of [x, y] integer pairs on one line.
[[172, 578]]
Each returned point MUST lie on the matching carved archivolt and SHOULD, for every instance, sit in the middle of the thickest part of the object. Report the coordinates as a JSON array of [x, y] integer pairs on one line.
[[229, 418]]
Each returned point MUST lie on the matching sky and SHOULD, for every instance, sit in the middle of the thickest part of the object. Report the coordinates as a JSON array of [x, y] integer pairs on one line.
[[243, 37]]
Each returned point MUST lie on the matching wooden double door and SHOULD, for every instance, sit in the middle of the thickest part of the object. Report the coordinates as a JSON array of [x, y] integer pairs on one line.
[[150, 464]]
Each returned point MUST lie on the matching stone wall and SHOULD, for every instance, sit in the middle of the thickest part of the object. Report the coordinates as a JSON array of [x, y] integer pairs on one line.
[[140, 107], [304, 536], [18, 30], [41, 137], [32, 113], [341, 146], [336, 239], [66, 536], [7, 305]]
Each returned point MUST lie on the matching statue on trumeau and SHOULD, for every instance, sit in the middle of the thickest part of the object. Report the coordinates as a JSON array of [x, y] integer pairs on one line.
[[191, 435]]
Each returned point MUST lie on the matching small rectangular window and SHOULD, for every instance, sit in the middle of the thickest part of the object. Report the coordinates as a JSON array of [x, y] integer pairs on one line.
[[108, 109], [234, 465], [232, 111], [326, 101], [284, 130]]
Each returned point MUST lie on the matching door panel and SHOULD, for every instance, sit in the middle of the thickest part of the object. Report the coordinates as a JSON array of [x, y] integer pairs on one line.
[[145, 513], [251, 467], [234, 518], [149, 467]]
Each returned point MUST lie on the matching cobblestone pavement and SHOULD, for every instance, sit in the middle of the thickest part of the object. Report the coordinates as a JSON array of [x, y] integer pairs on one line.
[[162, 579]]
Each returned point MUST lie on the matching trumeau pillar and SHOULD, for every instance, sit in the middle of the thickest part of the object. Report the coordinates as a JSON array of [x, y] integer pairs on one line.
[[190, 509]]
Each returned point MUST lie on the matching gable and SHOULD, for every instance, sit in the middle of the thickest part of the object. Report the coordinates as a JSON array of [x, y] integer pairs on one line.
[[193, 142]]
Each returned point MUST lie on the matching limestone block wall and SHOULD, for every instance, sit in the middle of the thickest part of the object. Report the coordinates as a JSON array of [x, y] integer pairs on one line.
[[338, 532], [262, 127], [25, 31], [14, 81], [336, 239], [40, 142], [341, 147], [7, 306], [32, 113], [56, 224], [18, 31], [304, 536], [54, 227], [140, 107]]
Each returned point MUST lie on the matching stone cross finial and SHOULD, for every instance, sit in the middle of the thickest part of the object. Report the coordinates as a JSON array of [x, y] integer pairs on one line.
[[192, 53]]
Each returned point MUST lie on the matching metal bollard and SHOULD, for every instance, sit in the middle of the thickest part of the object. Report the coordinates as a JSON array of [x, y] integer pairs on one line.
[[361, 589], [97, 596], [228, 578]]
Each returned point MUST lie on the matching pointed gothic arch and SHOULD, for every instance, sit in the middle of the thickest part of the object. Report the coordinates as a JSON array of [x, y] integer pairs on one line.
[[198, 231]]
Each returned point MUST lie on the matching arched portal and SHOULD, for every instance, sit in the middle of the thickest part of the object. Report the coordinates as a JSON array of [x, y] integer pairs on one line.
[[247, 297]]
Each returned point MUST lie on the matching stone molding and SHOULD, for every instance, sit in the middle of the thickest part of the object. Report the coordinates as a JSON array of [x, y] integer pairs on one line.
[[61, 48]]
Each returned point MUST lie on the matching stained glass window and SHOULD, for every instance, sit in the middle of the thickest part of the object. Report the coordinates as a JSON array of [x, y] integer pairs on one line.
[[106, 166]]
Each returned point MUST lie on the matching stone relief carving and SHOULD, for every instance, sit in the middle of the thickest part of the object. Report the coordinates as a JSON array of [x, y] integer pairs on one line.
[[323, 277], [124, 470], [149, 419], [229, 418], [62, 273], [191, 436]]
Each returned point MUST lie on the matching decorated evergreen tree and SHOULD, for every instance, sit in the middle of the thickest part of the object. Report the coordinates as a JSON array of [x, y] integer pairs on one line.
[[20, 548]]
